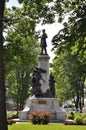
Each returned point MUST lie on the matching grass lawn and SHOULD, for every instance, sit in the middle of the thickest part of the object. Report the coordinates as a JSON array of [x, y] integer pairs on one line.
[[29, 126]]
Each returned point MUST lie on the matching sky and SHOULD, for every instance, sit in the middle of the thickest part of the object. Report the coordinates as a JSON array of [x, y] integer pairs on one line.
[[51, 30], [12, 3]]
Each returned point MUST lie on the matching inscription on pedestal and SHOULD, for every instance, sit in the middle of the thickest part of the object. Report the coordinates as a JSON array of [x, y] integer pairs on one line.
[[42, 102]]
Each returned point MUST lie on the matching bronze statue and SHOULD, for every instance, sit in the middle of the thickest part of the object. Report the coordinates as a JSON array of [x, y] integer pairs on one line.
[[36, 85], [52, 84], [43, 42]]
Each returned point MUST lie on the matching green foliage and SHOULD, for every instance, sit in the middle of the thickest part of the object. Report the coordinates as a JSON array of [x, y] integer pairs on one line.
[[84, 119], [62, 86], [38, 117], [69, 43], [12, 115], [77, 114], [21, 50], [70, 115], [83, 115], [78, 120]]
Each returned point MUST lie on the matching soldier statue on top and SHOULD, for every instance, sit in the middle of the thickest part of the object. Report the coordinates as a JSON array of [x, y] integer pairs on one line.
[[43, 42]]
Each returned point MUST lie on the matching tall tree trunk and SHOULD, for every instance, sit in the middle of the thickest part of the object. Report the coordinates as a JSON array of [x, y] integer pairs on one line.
[[3, 120]]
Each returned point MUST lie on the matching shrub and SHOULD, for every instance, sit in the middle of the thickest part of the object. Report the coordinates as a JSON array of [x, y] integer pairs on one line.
[[70, 115], [77, 114], [38, 117], [35, 117], [83, 115], [45, 117], [84, 120], [12, 115], [78, 120], [10, 122], [75, 119]]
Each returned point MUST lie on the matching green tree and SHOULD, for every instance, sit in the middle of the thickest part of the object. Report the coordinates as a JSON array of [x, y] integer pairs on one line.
[[42, 4], [62, 86], [19, 61], [72, 40], [21, 50]]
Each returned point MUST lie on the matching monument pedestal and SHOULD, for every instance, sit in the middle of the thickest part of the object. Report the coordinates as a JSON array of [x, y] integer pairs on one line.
[[43, 104]]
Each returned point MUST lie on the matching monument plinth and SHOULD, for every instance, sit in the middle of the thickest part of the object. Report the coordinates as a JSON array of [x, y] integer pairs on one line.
[[43, 104]]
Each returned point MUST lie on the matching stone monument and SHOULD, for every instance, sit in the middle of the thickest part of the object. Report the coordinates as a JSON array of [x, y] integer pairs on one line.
[[43, 89]]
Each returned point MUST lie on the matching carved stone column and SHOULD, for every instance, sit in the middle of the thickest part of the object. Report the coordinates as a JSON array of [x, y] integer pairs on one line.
[[43, 62]]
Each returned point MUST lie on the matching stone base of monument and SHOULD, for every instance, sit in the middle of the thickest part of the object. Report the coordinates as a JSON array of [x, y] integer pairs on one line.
[[43, 104]]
